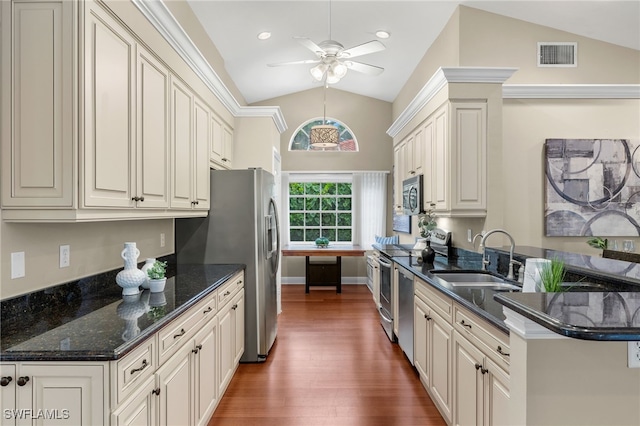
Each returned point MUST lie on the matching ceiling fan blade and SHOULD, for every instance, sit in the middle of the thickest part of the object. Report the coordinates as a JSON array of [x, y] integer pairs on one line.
[[307, 61], [364, 68], [310, 45], [363, 49]]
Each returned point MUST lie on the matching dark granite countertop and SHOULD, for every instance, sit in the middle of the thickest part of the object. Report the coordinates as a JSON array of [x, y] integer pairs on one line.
[[479, 301], [607, 315], [89, 320]]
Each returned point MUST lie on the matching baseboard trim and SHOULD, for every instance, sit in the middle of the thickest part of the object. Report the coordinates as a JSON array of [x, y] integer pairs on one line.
[[345, 280]]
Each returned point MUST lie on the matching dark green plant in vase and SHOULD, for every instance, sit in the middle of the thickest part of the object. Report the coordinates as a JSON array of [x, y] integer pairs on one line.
[[427, 223], [158, 270], [322, 242]]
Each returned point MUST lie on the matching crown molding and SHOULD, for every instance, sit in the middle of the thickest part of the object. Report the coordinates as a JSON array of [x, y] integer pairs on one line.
[[166, 24], [571, 91], [440, 79]]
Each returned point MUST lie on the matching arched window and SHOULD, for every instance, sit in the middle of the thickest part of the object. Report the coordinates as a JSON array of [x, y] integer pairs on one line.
[[300, 139]]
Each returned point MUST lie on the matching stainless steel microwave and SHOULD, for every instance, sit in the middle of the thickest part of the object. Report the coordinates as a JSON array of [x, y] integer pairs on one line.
[[412, 195]]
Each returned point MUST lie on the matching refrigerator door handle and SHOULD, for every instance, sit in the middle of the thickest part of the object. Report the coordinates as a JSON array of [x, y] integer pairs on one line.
[[273, 203]]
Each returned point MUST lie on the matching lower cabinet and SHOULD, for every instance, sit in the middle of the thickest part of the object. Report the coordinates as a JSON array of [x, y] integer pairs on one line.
[[67, 394], [481, 387], [231, 338], [462, 360]]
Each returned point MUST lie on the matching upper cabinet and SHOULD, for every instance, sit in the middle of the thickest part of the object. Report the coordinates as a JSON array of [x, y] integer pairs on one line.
[[96, 126], [221, 154]]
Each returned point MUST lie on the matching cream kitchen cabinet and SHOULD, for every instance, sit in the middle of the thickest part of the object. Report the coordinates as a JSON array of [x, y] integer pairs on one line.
[[190, 130], [481, 378], [221, 143], [433, 345], [398, 177], [459, 159], [101, 148], [231, 338], [70, 394]]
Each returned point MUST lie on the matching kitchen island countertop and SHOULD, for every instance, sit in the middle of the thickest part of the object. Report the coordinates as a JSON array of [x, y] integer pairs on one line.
[[89, 320]]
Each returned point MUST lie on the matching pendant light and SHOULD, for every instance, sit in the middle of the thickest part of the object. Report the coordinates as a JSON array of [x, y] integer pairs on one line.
[[324, 135]]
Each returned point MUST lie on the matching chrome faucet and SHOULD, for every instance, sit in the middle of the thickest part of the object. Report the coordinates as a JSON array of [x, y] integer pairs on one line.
[[486, 262]]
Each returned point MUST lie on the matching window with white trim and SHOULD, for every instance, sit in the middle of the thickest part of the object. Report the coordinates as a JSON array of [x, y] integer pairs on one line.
[[321, 207]]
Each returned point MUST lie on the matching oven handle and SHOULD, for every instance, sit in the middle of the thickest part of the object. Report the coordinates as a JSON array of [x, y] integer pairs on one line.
[[384, 317], [384, 263]]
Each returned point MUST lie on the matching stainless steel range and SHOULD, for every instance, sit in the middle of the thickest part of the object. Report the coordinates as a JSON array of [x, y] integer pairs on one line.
[[385, 308]]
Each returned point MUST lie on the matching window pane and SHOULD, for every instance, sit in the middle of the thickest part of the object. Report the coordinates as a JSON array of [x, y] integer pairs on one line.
[[328, 189], [344, 234], [312, 203], [296, 189], [329, 219], [296, 219], [344, 203], [296, 203], [312, 219], [312, 188], [312, 234], [344, 188], [344, 219], [296, 235], [330, 234], [328, 204]]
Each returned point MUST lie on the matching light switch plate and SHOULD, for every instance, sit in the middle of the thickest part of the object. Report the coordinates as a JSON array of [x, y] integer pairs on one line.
[[65, 256], [17, 265]]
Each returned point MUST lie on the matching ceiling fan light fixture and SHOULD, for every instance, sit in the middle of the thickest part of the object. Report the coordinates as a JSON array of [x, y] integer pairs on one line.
[[264, 35], [318, 71], [324, 136], [332, 78], [339, 69], [383, 34]]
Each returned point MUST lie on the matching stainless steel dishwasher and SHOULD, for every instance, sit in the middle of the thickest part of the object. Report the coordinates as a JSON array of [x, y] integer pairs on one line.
[[405, 312]]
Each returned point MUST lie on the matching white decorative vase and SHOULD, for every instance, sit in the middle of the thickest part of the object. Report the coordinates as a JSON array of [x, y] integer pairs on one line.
[[130, 278], [148, 264], [421, 243], [157, 285]]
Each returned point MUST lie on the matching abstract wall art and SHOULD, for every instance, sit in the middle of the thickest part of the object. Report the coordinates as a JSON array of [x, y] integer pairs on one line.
[[592, 187]]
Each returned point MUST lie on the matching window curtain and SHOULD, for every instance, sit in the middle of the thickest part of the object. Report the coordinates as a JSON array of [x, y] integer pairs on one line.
[[371, 207], [284, 213]]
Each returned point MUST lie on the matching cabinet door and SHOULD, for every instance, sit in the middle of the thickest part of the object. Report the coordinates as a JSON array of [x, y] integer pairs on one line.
[[174, 382], [202, 131], [497, 396], [440, 164], [181, 153], [408, 157], [427, 156], [238, 325], [468, 398], [227, 143], [421, 318], [38, 104], [140, 409], [152, 165], [8, 394], [216, 140], [226, 347], [205, 365], [74, 394], [109, 138], [398, 176], [418, 151], [468, 156], [441, 371]]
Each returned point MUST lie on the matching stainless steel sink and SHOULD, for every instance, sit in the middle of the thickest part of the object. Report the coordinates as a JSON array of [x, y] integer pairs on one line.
[[475, 279]]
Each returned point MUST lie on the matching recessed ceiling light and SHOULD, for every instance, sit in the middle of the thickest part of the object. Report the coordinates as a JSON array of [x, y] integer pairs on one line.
[[383, 34], [265, 35]]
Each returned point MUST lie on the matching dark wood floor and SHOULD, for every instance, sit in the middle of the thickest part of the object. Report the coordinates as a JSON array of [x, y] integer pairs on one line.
[[331, 365]]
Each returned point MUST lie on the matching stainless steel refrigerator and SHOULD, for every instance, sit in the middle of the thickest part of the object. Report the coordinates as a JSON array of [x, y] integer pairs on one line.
[[242, 227]]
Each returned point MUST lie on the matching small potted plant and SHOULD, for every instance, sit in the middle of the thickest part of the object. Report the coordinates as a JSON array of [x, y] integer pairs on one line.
[[157, 278], [322, 242], [552, 275]]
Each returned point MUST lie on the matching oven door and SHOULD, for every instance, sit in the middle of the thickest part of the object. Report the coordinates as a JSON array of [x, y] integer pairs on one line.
[[386, 292]]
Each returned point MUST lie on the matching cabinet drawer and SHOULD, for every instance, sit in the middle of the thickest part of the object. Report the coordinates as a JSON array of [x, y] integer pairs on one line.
[[229, 289], [133, 370], [436, 300], [185, 326], [492, 341]]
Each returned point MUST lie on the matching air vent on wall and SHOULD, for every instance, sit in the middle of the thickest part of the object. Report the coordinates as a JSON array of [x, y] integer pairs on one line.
[[557, 54]]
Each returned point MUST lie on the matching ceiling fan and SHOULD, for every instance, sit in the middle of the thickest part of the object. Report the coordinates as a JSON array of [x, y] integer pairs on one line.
[[333, 60]]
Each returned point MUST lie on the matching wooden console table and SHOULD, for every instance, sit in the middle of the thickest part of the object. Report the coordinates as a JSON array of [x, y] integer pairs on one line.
[[323, 274]]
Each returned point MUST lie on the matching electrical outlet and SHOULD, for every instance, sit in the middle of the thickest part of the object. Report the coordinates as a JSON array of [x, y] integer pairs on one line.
[[65, 256], [17, 265], [634, 354], [469, 235], [162, 239]]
